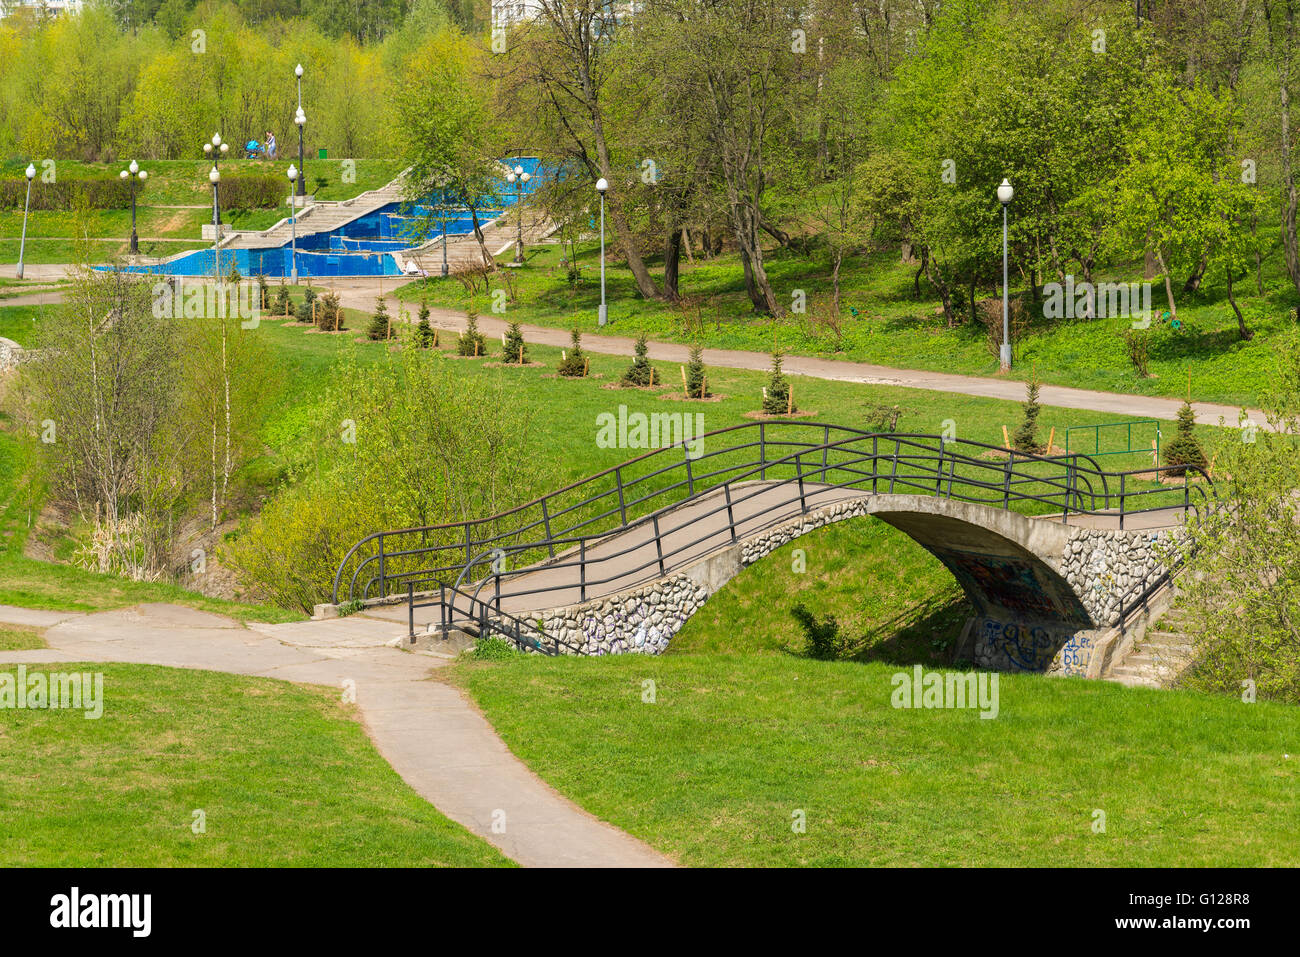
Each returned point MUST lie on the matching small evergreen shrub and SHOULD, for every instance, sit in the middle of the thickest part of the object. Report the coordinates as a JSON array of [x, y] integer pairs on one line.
[[425, 336], [697, 383], [471, 341], [514, 349], [305, 311], [1184, 450], [329, 313], [641, 372], [381, 325], [1026, 436], [777, 398], [574, 363]]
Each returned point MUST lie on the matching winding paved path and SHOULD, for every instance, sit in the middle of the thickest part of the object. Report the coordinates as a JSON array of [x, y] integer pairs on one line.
[[425, 728]]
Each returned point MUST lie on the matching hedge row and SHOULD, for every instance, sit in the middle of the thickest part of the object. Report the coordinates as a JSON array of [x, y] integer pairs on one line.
[[237, 192], [62, 194]]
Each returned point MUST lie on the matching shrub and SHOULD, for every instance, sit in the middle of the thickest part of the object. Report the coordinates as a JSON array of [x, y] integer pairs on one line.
[[640, 372], [471, 341], [283, 302], [778, 397], [1184, 449], [256, 191], [883, 418], [574, 363], [1137, 344], [381, 325], [425, 334], [329, 313], [64, 194], [493, 648], [697, 383], [263, 293], [305, 311], [1026, 437], [514, 348]]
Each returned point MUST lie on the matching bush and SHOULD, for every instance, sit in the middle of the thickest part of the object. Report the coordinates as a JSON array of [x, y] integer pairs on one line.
[[256, 191], [425, 335], [883, 418], [329, 313], [1137, 344], [697, 383], [471, 342], [381, 326], [1184, 449], [574, 363], [514, 349], [778, 397], [263, 293], [283, 302], [64, 194], [493, 648], [305, 311], [641, 372]]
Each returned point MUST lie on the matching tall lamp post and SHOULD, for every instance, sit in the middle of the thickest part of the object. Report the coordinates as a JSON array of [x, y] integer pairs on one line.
[[601, 186], [216, 149], [214, 177], [293, 227], [300, 119], [518, 177], [444, 244], [30, 173], [129, 174], [1005, 192]]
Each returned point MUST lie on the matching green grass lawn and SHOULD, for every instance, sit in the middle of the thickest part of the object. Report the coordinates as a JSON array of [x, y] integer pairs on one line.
[[714, 772], [884, 323], [19, 638], [283, 774]]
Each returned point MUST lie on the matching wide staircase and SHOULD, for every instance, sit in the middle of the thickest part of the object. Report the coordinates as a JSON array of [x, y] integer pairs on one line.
[[1162, 654], [320, 217]]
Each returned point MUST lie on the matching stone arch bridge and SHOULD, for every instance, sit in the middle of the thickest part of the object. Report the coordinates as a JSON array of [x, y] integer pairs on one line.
[[1059, 558]]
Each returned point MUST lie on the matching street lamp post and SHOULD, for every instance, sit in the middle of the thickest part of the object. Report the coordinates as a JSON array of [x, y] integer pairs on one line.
[[214, 177], [30, 173], [1005, 192], [129, 174], [601, 186], [444, 244], [518, 177], [293, 226], [216, 149], [300, 119]]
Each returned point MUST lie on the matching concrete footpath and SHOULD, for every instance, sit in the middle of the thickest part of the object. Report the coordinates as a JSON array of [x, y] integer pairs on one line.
[[425, 728], [361, 294]]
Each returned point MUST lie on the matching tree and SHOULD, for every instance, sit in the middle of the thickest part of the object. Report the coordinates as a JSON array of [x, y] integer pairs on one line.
[[471, 341], [1184, 450], [777, 396], [306, 310], [381, 326], [1026, 436], [574, 363], [514, 350], [563, 58], [1240, 591], [425, 335], [640, 372], [283, 302], [697, 381]]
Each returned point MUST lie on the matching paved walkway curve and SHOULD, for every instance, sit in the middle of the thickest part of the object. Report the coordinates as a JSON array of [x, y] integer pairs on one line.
[[425, 728]]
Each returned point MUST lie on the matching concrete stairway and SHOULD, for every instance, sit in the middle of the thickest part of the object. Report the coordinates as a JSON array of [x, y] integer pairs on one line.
[[319, 217], [1159, 657]]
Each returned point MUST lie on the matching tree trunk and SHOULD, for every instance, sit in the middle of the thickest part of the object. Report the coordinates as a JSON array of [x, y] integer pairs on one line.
[[921, 269], [1193, 282], [1169, 288], [1242, 328], [1288, 184], [672, 262], [945, 293]]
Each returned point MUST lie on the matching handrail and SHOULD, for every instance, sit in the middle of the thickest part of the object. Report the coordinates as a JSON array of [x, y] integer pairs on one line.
[[1075, 484]]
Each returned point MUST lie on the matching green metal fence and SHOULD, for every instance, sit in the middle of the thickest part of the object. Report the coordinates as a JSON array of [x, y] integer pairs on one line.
[[1108, 437]]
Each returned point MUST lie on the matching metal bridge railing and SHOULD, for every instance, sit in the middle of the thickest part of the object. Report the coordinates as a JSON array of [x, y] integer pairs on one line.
[[759, 480]]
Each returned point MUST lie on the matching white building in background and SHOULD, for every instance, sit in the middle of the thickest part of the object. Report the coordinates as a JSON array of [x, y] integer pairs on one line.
[[47, 6], [508, 13]]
